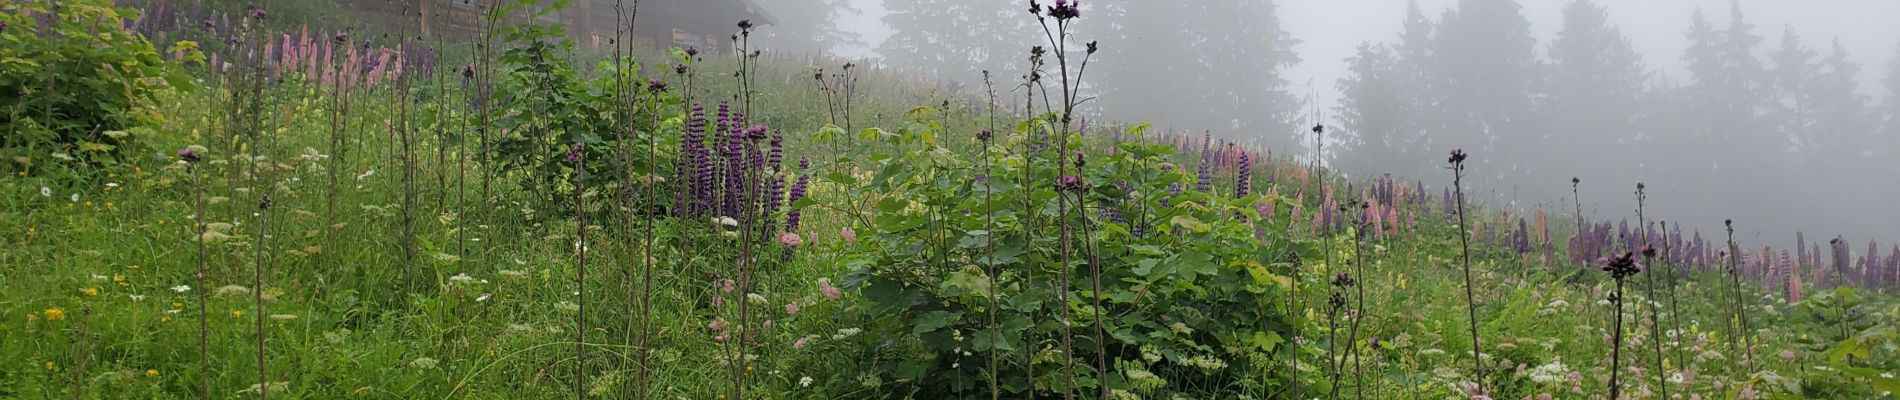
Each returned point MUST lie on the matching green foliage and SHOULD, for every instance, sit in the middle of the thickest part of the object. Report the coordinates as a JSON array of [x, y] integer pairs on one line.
[[75, 83], [1192, 300]]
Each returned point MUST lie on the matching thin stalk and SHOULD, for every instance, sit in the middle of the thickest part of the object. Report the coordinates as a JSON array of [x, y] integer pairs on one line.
[[1616, 347], [1675, 310], [1741, 312], [204, 325], [1464, 242], [580, 270], [257, 292], [989, 243], [1649, 273]]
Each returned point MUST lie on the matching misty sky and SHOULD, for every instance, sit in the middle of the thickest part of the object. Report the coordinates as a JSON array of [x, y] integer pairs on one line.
[[1329, 30]]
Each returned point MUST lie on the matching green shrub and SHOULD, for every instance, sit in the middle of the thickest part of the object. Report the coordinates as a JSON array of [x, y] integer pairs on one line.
[[72, 81]]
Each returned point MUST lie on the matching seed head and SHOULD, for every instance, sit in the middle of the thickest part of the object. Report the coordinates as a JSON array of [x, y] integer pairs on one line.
[[1458, 156], [745, 25], [1621, 265]]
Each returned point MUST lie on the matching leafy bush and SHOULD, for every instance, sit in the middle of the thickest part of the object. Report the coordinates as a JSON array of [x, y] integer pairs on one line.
[[1186, 290], [73, 81]]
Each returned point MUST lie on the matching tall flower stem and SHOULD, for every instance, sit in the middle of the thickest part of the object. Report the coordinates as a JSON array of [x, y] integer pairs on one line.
[[257, 292], [989, 243], [1464, 241], [1741, 312], [1649, 273], [1675, 309], [190, 156], [1619, 267], [577, 158]]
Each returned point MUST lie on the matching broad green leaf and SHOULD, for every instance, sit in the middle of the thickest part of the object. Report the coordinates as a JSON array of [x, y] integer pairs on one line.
[[934, 320]]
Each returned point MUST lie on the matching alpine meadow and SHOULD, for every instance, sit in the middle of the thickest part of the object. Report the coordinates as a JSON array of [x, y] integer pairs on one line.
[[949, 199]]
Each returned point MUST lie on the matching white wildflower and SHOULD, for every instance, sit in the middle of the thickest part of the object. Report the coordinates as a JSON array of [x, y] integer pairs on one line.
[[233, 289], [845, 333], [482, 298], [756, 298], [136, 297], [181, 288], [46, 192], [804, 382], [423, 363]]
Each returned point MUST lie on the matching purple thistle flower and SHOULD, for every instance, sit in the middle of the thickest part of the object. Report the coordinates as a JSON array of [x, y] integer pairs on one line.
[[188, 154], [574, 153], [257, 12], [1071, 183], [692, 51]]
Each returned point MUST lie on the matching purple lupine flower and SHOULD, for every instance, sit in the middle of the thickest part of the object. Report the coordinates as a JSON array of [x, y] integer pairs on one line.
[[1174, 190], [1522, 242], [691, 164], [1449, 209], [1202, 171], [804, 163], [776, 156], [798, 193], [1243, 184]]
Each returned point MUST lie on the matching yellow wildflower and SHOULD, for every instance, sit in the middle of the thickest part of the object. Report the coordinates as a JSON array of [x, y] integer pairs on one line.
[[118, 278], [55, 314], [237, 313], [49, 365], [151, 373], [91, 291]]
